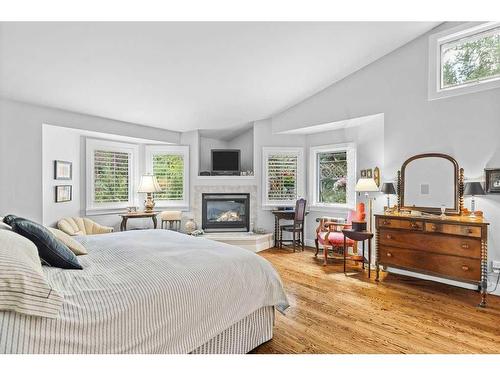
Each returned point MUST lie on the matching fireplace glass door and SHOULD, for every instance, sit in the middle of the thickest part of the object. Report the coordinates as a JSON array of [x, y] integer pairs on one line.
[[225, 212]]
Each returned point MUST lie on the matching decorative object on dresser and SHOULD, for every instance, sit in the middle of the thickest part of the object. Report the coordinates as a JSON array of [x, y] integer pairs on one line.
[[367, 185], [450, 247], [472, 189], [492, 180], [171, 220], [298, 225], [138, 215], [149, 184], [63, 170], [63, 193], [388, 189]]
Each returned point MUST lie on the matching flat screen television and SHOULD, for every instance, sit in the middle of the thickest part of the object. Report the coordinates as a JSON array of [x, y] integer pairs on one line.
[[226, 161]]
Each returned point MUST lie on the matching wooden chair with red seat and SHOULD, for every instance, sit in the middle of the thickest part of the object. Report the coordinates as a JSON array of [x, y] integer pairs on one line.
[[329, 233]]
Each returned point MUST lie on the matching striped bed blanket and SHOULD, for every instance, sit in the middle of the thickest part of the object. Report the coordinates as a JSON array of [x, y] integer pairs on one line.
[[147, 291]]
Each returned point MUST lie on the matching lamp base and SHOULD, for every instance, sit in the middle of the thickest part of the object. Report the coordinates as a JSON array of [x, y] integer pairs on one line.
[[149, 203]]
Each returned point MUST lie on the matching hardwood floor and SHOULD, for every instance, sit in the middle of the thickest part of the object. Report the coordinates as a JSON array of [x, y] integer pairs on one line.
[[335, 313]]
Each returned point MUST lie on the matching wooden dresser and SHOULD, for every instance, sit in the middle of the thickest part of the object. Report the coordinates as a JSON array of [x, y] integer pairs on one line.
[[453, 248]]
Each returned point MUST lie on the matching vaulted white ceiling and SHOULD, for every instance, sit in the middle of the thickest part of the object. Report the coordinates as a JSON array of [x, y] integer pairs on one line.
[[184, 76]]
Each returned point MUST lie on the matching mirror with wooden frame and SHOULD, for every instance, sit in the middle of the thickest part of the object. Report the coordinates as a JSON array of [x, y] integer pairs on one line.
[[428, 182]]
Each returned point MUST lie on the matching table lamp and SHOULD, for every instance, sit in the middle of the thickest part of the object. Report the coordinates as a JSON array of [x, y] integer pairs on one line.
[[388, 189], [149, 184], [367, 185], [473, 189]]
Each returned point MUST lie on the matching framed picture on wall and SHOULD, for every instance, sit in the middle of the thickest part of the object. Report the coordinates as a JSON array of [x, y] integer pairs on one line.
[[363, 173], [369, 173], [492, 180], [64, 193], [63, 170]]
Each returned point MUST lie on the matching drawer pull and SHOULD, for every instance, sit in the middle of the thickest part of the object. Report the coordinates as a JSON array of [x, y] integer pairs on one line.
[[388, 237], [386, 222], [465, 268], [465, 246], [468, 230], [389, 255], [414, 225], [434, 227]]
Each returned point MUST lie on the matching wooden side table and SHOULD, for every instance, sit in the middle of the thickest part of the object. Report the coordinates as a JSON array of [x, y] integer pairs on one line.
[[137, 215], [359, 236]]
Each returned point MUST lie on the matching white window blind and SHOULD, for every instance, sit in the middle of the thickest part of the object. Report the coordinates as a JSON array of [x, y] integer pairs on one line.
[[283, 177], [111, 176], [170, 165], [169, 171]]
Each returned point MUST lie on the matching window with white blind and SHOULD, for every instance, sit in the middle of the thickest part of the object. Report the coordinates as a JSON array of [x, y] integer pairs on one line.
[[283, 178], [111, 173], [332, 175], [170, 165]]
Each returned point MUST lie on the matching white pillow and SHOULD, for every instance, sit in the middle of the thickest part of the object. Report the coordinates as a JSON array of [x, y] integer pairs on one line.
[[76, 247], [23, 287]]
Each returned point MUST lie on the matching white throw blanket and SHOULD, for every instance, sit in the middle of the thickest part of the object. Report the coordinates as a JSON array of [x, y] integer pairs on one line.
[[148, 291]]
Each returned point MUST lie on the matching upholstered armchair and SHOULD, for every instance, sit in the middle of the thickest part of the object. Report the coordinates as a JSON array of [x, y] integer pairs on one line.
[[329, 232], [80, 226]]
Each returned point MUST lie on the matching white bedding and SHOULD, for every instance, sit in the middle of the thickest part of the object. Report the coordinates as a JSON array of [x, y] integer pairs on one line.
[[148, 291]]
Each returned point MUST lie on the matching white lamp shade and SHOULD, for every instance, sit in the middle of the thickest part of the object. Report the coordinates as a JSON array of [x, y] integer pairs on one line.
[[366, 184], [149, 184]]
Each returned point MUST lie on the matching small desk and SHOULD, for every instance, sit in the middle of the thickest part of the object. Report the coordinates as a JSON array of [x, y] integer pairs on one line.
[[137, 215], [359, 236], [278, 215]]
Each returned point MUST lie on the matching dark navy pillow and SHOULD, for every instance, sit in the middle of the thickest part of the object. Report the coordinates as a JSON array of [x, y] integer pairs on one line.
[[51, 251], [9, 219]]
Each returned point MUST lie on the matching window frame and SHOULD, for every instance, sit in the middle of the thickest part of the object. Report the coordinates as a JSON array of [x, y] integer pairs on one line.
[[149, 152], [350, 149], [295, 151], [93, 144], [466, 30]]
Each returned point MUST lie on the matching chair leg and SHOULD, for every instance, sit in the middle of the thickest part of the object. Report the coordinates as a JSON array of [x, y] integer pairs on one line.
[[325, 254], [293, 241], [316, 242], [302, 238], [280, 238]]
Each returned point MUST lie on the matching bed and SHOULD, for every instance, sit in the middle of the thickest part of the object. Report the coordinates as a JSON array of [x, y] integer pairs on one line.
[[154, 291]]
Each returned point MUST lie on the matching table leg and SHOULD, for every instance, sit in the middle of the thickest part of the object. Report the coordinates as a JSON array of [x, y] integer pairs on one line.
[[369, 257], [345, 251], [276, 231], [155, 223], [363, 255], [123, 226]]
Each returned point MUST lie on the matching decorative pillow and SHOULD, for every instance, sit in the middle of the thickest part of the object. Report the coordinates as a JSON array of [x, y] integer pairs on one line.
[[3, 225], [52, 251], [23, 287], [76, 247], [9, 219]]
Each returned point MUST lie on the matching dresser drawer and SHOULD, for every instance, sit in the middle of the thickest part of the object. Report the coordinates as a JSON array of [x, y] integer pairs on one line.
[[400, 224], [443, 244], [442, 265], [459, 230]]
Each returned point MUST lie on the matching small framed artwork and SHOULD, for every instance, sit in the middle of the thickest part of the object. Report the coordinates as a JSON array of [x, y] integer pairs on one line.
[[363, 173], [369, 173], [63, 170], [64, 193], [376, 175], [492, 180]]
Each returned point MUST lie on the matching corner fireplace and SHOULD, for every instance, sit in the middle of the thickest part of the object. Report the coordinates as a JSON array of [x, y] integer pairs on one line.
[[222, 212]]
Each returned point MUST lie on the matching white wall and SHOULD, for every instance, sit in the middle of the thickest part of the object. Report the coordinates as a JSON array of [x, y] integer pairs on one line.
[[21, 150], [466, 127], [60, 143]]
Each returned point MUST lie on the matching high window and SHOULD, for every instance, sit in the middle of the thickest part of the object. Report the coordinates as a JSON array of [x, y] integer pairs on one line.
[[283, 177], [332, 175], [111, 173], [464, 59], [170, 165]]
